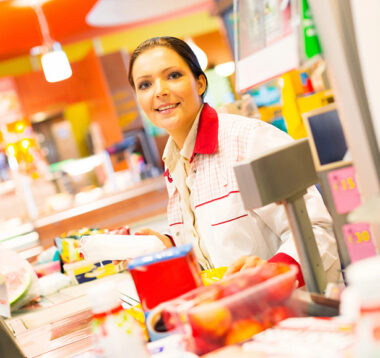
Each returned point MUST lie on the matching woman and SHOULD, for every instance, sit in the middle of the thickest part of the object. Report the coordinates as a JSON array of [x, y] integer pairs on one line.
[[205, 207]]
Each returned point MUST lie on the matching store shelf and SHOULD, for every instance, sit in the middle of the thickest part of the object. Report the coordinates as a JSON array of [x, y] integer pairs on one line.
[[22, 241], [16, 231]]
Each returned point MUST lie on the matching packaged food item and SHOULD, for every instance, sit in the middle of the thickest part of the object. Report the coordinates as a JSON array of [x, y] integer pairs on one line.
[[163, 276], [68, 244], [232, 310], [115, 333], [84, 271], [70, 247], [47, 268]]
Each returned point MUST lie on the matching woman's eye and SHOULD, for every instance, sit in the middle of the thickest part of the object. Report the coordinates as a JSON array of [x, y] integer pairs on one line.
[[143, 85], [175, 75]]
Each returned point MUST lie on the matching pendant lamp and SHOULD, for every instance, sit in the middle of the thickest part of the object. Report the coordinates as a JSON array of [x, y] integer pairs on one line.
[[55, 64]]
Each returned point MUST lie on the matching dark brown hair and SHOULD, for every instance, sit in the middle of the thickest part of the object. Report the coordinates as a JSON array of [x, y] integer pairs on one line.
[[177, 45]]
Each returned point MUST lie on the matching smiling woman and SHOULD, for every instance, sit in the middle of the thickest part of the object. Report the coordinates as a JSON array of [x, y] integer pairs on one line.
[[205, 207]]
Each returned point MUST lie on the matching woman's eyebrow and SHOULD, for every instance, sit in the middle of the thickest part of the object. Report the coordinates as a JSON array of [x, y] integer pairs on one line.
[[166, 69], [143, 76]]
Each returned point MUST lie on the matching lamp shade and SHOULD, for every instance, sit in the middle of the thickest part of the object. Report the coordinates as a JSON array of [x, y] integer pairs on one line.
[[120, 12], [56, 66]]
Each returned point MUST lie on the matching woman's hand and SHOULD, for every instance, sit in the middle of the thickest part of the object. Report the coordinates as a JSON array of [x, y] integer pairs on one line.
[[164, 239], [243, 263]]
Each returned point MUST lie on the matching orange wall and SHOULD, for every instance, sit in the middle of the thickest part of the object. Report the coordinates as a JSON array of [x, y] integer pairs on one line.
[[87, 83]]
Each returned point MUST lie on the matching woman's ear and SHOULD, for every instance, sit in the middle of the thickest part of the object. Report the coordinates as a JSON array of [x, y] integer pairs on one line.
[[201, 83]]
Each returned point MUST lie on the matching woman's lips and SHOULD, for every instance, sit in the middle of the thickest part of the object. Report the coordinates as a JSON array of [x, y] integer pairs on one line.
[[167, 108]]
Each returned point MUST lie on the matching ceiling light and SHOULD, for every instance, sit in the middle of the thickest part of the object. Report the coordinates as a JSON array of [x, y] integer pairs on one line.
[[55, 64], [28, 3], [120, 12], [225, 69]]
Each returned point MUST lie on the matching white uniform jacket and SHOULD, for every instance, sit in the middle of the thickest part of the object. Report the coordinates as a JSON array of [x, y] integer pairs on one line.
[[227, 230]]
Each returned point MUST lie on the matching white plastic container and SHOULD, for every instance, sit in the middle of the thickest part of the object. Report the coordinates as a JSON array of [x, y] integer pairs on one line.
[[364, 293], [115, 333]]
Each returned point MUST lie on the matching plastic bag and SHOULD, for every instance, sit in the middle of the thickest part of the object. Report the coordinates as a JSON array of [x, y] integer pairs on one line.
[[20, 279]]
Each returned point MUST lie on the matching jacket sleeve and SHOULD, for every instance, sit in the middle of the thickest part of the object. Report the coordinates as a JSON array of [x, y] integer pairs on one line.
[[267, 137]]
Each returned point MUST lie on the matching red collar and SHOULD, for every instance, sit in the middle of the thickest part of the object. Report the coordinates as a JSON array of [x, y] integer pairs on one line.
[[207, 134]]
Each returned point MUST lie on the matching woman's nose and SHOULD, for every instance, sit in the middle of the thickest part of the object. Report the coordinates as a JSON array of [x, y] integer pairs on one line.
[[161, 88]]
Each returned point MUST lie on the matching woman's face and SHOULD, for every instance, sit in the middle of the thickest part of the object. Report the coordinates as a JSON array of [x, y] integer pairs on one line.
[[167, 90]]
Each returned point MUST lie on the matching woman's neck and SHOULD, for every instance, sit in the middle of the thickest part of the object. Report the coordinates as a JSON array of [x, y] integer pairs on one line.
[[179, 136]]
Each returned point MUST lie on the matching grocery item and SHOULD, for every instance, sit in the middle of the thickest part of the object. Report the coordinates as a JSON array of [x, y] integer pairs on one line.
[[213, 275], [364, 302], [70, 247], [99, 247], [53, 282], [84, 271], [68, 244], [162, 276], [20, 280], [18, 283], [47, 268], [234, 309], [115, 333]]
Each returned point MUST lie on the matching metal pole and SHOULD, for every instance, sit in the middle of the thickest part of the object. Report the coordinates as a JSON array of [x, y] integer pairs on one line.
[[304, 239]]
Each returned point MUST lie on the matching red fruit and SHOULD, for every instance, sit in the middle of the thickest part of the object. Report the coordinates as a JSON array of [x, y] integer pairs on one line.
[[280, 291], [231, 288], [277, 314], [202, 345], [205, 295], [243, 330], [212, 320], [271, 269]]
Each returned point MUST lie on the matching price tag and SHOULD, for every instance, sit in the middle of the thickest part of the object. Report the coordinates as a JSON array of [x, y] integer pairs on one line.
[[359, 241], [344, 189]]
